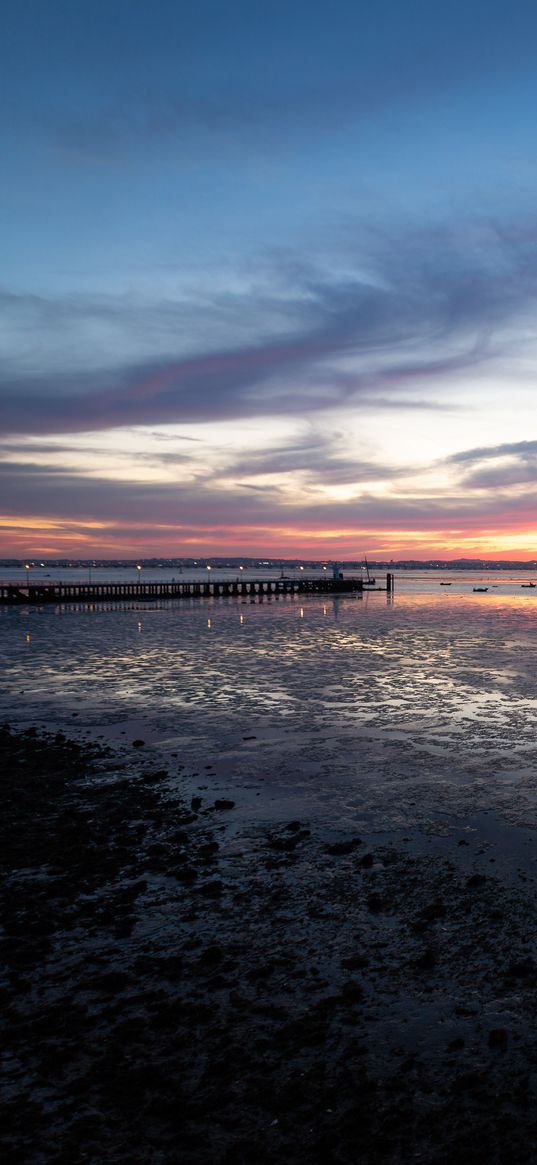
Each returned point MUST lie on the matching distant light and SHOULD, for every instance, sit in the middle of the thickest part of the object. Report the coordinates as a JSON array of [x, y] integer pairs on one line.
[[301, 568], [209, 568], [241, 568]]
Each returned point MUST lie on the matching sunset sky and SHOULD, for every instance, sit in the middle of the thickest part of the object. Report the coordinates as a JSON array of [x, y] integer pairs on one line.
[[268, 280]]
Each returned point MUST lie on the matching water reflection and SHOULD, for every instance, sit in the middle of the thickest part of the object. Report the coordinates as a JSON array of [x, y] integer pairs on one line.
[[377, 696]]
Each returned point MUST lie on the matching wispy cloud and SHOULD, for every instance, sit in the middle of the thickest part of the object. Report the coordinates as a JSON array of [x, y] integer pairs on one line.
[[498, 467], [524, 450], [67, 495], [425, 312]]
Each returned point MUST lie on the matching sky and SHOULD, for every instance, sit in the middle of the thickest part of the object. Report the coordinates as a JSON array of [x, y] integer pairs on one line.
[[268, 278]]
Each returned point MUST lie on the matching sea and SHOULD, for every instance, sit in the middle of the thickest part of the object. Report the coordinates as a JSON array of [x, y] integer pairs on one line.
[[415, 710]]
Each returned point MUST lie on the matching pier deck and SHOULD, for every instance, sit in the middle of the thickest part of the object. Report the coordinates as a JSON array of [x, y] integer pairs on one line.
[[68, 592]]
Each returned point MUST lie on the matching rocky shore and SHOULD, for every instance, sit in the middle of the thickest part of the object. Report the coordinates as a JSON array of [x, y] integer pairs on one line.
[[178, 986]]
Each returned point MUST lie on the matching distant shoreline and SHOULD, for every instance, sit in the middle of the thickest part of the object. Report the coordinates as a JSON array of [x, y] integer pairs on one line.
[[222, 563]]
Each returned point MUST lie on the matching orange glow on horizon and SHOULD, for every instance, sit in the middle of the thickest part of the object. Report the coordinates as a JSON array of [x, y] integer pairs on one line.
[[38, 537]]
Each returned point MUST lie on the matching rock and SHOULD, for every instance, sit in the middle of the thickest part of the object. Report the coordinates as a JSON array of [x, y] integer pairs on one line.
[[475, 880], [195, 803], [208, 849], [285, 844], [338, 848], [353, 992], [522, 969], [212, 889], [430, 913], [289, 843], [130, 893], [210, 957], [426, 961], [355, 962], [456, 1045], [222, 803], [138, 743], [499, 1039], [186, 874], [154, 777]]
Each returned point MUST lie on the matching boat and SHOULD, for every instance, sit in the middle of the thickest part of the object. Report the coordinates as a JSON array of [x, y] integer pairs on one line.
[[445, 584], [369, 581], [480, 590], [530, 584]]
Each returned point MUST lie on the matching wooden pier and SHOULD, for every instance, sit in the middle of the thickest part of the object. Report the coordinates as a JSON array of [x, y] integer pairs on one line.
[[15, 594]]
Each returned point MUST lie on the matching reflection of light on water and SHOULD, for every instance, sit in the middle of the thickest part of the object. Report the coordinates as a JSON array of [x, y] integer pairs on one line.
[[28, 637], [432, 691]]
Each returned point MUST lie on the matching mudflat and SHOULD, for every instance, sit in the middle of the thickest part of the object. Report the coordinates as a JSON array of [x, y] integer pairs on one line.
[[178, 986]]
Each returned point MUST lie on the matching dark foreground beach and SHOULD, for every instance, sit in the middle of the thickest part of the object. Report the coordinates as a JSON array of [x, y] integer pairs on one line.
[[176, 988]]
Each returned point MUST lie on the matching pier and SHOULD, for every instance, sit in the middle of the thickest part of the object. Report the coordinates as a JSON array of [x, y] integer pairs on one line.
[[40, 592]]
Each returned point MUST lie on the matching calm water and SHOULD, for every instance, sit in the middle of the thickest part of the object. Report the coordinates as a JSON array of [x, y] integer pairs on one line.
[[393, 712]]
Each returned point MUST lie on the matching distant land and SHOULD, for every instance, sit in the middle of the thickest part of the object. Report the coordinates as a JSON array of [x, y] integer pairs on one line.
[[219, 563]]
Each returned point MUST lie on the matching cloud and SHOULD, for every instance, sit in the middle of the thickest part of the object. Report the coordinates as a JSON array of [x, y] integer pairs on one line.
[[523, 449], [316, 458], [416, 310], [498, 467], [199, 506]]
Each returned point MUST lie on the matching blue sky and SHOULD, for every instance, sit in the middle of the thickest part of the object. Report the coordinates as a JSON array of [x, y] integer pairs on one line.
[[268, 278]]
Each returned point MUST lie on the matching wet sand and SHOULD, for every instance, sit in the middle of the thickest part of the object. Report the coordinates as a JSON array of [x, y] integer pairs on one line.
[[181, 985]]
